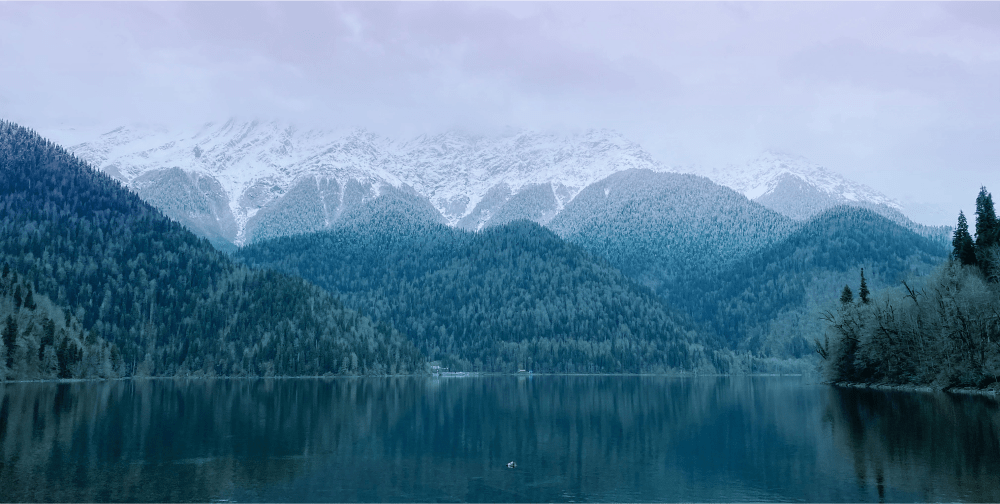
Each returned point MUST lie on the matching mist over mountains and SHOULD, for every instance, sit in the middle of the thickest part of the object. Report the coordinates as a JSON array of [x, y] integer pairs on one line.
[[240, 182], [570, 254]]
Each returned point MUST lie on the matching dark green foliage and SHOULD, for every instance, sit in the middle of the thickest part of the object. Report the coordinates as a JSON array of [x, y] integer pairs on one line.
[[963, 248], [48, 337], [946, 333], [987, 235], [863, 291], [986, 220], [943, 333], [29, 300], [748, 274], [665, 229], [68, 355], [507, 298], [846, 296], [170, 302], [770, 302], [10, 338], [32, 334]]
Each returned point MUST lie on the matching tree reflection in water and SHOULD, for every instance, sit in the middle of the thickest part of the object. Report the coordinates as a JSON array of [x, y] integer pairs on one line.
[[598, 438], [941, 446]]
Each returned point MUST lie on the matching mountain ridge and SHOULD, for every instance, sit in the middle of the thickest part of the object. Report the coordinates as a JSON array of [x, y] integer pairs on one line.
[[240, 173], [165, 298]]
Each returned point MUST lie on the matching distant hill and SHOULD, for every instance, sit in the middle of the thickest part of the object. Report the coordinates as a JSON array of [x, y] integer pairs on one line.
[[770, 301], [664, 228], [748, 274], [801, 189], [165, 299], [506, 298]]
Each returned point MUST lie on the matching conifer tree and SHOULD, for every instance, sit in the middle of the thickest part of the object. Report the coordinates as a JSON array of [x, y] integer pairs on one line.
[[846, 296], [10, 338], [986, 230], [29, 300], [964, 248], [863, 291]]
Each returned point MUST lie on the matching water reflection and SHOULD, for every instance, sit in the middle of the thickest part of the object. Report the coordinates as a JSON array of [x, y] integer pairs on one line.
[[940, 446], [431, 439]]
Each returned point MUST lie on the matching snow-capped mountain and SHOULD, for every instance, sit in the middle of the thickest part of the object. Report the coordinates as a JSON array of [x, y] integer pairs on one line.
[[801, 189], [241, 181], [796, 187]]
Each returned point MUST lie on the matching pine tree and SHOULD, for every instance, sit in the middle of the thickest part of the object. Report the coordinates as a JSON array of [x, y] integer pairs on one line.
[[10, 339], [964, 248], [29, 300], [986, 229], [863, 291], [846, 296], [48, 336]]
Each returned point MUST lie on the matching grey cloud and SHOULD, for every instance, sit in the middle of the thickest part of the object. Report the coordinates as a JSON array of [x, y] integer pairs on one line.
[[878, 91]]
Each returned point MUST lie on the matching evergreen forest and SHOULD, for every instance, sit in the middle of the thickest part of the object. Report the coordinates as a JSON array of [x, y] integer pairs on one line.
[[144, 296], [770, 302], [510, 297], [941, 331], [642, 272]]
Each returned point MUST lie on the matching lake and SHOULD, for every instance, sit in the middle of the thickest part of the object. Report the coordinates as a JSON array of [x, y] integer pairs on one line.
[[572, 438]]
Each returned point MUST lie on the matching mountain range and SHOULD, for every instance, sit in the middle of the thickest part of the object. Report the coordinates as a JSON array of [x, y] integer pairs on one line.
[[628, 266], [98, 283], [243, 181]]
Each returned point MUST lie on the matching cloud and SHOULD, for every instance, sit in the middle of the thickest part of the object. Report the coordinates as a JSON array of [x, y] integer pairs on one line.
[[878, 91]]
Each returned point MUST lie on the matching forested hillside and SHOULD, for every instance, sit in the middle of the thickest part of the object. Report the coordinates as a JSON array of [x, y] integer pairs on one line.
[[42, 341], [169, 302], [770, 302], [664, 229], [507, 298], [942, 331]]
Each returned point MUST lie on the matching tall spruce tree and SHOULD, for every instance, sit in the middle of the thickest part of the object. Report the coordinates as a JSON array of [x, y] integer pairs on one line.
[[846, 296], [986, 231], [964, 248], [863, 291], [10, 338]]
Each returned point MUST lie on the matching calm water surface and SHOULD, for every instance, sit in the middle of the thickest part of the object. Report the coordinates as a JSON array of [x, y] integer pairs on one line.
[[573, 438]]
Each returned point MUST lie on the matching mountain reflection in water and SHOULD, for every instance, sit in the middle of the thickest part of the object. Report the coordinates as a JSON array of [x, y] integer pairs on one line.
[[573, 438]]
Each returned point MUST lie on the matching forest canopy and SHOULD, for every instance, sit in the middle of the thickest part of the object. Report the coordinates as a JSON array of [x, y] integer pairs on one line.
[[165, 300], [943, 332]]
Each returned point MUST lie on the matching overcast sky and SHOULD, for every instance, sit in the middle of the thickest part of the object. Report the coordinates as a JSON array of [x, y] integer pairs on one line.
[[904, 97]]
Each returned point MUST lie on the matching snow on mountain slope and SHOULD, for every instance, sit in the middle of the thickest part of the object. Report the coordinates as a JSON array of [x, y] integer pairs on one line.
[[254, 163], [800, 189], [474, 176], [272, 174], [241, 181], [795, 186]]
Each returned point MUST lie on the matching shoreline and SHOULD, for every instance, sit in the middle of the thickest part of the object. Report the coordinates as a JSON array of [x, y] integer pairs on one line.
[[413, 375], [992, 390]]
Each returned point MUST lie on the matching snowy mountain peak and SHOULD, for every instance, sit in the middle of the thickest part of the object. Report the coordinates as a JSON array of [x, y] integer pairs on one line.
[[249, 166], [240, 180], [796, 186]]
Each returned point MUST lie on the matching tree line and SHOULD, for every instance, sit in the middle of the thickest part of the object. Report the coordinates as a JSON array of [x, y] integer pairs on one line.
[[943, 331], [509, 297], [165, 299]]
